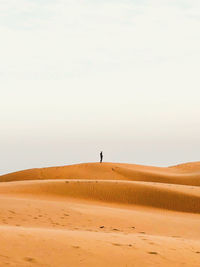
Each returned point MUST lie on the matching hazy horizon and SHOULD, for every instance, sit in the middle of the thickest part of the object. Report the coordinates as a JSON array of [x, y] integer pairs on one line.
[[78, 77]]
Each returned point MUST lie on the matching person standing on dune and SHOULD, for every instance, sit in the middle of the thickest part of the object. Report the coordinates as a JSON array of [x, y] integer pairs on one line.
[[101, 156]]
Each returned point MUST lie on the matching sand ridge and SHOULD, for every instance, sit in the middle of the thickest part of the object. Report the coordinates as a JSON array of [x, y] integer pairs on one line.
[[165, 196], [186, 174]]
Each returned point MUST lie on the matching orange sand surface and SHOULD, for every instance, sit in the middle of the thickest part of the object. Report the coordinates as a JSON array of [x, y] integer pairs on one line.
[[108, 214]]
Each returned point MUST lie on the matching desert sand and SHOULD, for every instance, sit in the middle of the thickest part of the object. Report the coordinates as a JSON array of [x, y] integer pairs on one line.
[[108, 214]]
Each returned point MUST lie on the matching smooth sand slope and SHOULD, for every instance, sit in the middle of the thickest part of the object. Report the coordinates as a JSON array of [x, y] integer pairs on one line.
[[105, 214], [185, 174]]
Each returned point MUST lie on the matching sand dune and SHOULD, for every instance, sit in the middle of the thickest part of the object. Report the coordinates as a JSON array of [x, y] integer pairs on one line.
[[108, 214], [172, 197], [185, 174]]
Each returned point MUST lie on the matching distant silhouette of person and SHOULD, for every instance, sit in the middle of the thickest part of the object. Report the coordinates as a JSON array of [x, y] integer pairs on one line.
[[101, 156]]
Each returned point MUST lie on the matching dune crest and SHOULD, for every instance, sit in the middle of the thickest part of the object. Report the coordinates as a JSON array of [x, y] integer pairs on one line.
[[185, 174], [156, 195]]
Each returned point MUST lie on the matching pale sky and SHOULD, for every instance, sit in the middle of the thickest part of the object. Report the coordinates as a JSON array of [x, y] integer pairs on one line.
[[77, 77]]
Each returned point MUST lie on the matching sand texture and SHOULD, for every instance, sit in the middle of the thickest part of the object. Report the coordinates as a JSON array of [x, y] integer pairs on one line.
[[108, 214]]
